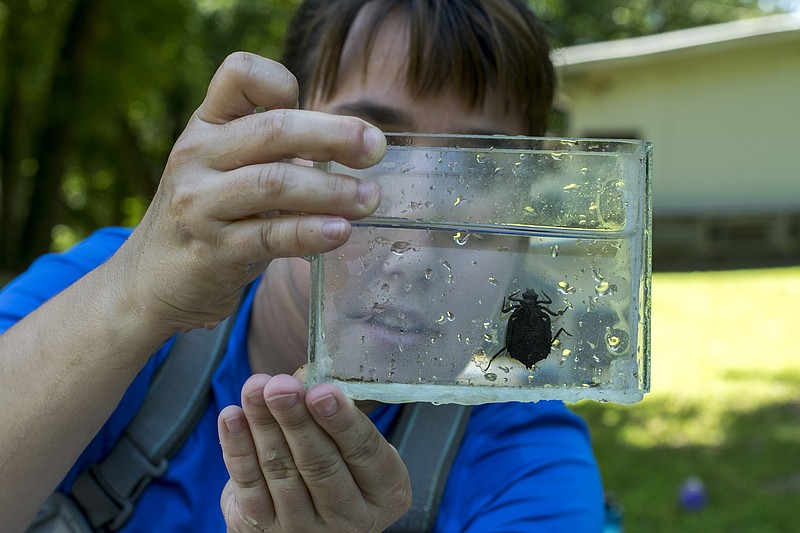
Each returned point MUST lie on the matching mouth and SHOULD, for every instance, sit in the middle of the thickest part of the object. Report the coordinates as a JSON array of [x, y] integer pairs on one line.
[[396, 326]]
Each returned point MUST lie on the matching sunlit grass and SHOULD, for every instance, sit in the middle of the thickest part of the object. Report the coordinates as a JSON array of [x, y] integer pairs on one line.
[[725, 405]]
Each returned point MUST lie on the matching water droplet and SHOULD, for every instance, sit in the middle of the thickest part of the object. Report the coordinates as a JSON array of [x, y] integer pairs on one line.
[[584, 170], [492, 281], [556, 343], [428, 204], [481, 158], [428, 272], [556, 156], [596, 275], [566, 352], [439, 320], [414, 205], [452, 166], [400, 247], [529, 209], [461, 237], [458, 200], [447, 266], [450, 316], [554, 250], [605, 288], [407, 167], [517, 168], [616, 340], [570, 187], [487, 337], [362, 342], [491, 376], [565, 288]]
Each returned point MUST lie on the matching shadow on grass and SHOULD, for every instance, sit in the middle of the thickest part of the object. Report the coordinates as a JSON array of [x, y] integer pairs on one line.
[[752, 476]]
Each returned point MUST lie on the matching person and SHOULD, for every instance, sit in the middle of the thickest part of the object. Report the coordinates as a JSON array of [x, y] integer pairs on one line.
[[238, 206]]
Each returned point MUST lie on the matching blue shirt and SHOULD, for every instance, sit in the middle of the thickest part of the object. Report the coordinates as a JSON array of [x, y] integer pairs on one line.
[[521, 467]]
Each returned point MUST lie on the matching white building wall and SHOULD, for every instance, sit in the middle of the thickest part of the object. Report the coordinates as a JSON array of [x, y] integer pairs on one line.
[[725, 125]]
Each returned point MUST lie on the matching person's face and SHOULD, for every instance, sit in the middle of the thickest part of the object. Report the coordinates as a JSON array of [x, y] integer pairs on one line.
[[411, 292]]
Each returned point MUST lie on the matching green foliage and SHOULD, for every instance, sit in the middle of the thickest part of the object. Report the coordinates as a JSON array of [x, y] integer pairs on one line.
[[93, 93], [586, 21], [92, 96]]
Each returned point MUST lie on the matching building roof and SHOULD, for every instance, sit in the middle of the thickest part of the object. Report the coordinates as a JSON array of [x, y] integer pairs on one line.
[[702, 40]]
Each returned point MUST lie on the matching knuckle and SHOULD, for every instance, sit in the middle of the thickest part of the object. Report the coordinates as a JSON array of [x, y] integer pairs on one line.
[[320, 468], [366, 451], [272, 124], [237, 64], [271, 180], [272, 241], [279, 468], [184, 150]]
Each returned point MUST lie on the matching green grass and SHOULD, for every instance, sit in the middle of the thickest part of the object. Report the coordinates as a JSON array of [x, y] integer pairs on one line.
[[724, 405]]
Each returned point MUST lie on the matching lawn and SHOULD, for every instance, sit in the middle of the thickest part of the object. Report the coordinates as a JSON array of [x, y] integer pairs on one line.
[[724, 406]]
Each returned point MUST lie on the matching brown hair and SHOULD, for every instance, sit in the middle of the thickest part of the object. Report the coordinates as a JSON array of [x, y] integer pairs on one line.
[[468, 44]]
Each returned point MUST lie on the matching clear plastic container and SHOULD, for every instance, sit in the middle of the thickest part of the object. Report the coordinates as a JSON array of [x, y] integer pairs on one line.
[[495, 269]]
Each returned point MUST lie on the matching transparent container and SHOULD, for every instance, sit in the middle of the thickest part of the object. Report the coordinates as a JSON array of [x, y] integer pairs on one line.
[[495, 269]]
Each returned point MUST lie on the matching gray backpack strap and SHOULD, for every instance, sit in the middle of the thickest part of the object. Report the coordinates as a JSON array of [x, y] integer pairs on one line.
[[427, 437], [176, 399]]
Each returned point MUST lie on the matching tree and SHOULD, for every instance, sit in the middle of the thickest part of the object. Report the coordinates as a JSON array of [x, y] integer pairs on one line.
[[585, 21], [93, 93]]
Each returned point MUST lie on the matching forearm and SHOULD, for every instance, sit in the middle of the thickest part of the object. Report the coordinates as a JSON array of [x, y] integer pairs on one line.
[[63, 369]]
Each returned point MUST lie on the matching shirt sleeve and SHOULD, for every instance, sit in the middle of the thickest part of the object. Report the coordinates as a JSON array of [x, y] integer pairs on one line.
[[521, 468]]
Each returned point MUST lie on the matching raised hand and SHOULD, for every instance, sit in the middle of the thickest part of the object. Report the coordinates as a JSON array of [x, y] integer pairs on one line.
[[307, 461], [230, 199]]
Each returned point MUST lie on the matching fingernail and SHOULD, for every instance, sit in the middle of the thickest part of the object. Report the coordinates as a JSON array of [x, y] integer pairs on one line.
[[334, 230], [234, 425], [326, 405], [367, 193], [283, 402], [374, 143], [256, 398]]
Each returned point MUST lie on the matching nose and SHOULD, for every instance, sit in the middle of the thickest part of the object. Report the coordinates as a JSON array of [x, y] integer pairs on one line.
[[416, 256]]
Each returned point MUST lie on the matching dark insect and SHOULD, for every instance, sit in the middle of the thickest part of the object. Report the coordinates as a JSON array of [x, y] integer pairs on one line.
[[528, 335]]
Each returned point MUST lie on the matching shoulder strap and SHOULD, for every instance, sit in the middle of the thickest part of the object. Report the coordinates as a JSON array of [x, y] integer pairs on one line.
[[174, 404], [427, 437]]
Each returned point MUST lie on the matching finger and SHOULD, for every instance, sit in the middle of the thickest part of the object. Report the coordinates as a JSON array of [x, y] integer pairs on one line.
[[281, 134], [246, 494], [374, 464], [262, 239], [336, 496], [291, 499], [262, 188], [244, 82], [301, 373]]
